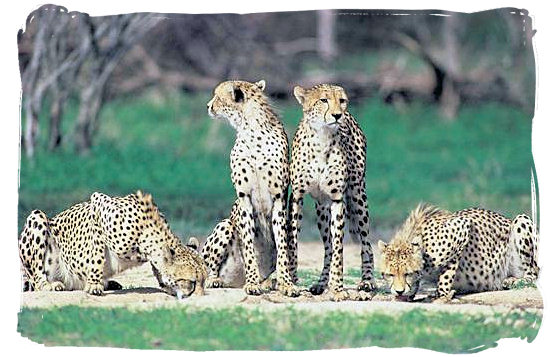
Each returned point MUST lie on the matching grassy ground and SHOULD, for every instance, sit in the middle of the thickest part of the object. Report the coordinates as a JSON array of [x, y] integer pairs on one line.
[[244, 329], [166, 144]]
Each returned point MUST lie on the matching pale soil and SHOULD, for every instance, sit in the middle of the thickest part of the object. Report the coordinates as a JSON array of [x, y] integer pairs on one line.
[[141, 292]]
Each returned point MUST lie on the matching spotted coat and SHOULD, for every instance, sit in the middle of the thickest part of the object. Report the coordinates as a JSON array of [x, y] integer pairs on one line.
[[252, 242], [83, 246], [471, 250], [328, 161]]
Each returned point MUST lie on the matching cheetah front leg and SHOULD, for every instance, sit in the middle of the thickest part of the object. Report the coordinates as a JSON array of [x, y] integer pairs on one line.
[[295, 218], [252, 273], [216, 251], [336, 278], [460, 239], [33, 243], [94, 276], [445, 293], [323, 223], [284, 280], [358, 212]]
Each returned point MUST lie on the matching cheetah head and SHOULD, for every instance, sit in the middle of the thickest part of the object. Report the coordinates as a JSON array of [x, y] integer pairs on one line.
[[401, 265], [323, 105], [182, 272], [181, 269], [233, 100]]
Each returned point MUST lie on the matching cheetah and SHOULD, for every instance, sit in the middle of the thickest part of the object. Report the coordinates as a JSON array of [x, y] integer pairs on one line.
[[328, 161], [255, 233], [471, 250], [83, 246]]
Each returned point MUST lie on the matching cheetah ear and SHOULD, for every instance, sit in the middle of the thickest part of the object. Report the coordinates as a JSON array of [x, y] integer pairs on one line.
[[260, 84], [193, 243], [168, 254], [300, 94], [237, 94], [382, 245], [416, 241], [144, 196]]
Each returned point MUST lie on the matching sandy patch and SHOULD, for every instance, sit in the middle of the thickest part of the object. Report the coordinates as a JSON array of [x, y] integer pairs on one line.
[[141, 292]]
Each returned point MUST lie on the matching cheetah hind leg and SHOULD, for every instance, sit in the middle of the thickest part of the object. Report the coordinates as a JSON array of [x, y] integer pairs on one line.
[[33, 243], [524, 239]]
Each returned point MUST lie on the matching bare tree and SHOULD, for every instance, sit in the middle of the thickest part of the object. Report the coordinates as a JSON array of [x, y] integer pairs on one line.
[[121, 32], [31, 77], [326, 35], [450, 97], [73, 52]]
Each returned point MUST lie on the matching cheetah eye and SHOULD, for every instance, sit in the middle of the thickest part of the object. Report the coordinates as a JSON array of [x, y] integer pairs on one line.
[[324, 100], [342, 100]]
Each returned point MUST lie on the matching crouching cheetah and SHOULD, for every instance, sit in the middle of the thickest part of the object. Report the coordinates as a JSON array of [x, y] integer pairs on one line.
[[471, 250], [328, 161], [259, 172], [81, 247]]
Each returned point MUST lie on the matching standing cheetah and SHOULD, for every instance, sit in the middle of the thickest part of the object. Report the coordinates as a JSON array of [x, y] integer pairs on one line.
[[469, 251], [81, 247], [259, 172], [328, 161]]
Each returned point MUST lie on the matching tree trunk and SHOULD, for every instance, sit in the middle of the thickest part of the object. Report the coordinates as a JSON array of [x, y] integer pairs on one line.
[[90, 102], [450, 98], [56, 114], [31, 128], [326, 35]]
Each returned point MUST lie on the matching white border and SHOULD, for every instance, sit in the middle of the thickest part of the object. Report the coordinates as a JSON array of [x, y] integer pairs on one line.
[[14, 17]]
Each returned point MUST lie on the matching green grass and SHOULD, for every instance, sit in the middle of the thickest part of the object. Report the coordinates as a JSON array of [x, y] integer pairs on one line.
[[166, 144], [251, 329], [352, 276]]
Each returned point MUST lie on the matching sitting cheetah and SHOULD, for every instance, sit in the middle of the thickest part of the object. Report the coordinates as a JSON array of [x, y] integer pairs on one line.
[[328, 161], [86, 244], [259, 172], [471, 250]]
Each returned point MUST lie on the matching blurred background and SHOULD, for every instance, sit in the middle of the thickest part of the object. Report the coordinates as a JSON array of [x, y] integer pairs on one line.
[[118, 103]]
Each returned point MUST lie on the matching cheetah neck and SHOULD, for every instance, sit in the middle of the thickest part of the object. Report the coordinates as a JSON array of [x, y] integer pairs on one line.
[[256, 117], [326, 136]]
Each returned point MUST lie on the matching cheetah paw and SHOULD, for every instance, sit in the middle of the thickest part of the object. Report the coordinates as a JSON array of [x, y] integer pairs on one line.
[[444, 299], [338, 295], [360, 295], [94, 288], [288, 289], [317, 289], [253, 289], [214, 283], [54, 286], [366, 286], [509, 283]]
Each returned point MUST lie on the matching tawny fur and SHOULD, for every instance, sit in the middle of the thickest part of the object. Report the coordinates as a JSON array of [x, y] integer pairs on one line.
[[83, 246], [471, 250]]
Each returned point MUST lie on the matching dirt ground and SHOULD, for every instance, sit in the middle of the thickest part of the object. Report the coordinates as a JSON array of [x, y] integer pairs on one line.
[[141, 292]]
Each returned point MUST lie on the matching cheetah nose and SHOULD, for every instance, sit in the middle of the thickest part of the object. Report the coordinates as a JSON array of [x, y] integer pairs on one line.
[[337, 116], [399, 292]]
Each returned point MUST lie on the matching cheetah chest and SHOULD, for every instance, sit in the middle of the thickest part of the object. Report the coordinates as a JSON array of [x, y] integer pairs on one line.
[[256, 171], [326, 172]]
